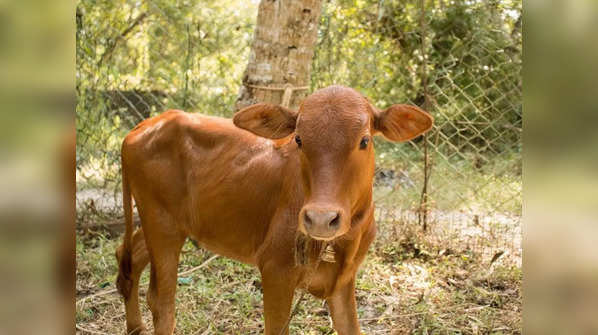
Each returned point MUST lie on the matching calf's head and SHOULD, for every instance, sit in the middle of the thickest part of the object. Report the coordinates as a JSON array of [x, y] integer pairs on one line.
[[332, 132]]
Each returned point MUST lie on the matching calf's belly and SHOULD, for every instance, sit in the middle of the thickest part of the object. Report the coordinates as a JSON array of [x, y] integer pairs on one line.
[[229, 236], [226, 223], [228, 248]]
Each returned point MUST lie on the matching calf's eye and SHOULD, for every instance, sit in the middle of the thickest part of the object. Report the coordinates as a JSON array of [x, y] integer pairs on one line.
[[298, 140], [364, 142]]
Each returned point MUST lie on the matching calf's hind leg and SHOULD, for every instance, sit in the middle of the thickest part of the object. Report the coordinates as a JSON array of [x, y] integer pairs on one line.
[[164, 252], [128, 283]]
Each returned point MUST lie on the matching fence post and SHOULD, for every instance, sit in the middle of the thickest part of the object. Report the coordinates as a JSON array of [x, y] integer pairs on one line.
[[423, 203]]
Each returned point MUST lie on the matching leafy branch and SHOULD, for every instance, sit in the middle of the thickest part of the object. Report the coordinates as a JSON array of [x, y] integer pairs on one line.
[[121, 37]]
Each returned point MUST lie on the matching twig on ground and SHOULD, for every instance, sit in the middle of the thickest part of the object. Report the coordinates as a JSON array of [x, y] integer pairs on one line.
[[199, 266], [90, 331], [391, 317], [113, 290], [96, 295]]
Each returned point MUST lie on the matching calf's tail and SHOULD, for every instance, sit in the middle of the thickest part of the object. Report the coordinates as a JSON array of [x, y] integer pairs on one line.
[[123, 253]]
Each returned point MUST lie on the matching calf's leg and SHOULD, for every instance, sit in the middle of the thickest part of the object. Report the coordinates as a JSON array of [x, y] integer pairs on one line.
[[343, 309], [128, 283], [164, 245], [279, 289]]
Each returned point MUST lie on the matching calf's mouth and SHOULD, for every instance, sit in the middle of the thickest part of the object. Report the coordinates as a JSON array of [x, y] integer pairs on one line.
[[309, 250]]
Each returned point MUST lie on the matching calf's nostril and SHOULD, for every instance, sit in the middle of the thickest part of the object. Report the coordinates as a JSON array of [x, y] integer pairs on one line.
[[307, 219], [335, 221]]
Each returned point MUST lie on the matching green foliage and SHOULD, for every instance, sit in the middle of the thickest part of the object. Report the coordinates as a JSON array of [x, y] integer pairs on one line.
[[137, 59], [467, 53], [184, 49]]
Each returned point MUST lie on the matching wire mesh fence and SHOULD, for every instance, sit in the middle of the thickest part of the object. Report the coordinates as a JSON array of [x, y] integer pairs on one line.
[[460, 60]]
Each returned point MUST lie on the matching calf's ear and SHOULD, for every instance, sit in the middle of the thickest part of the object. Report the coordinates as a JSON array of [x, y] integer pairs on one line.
[[402, 122], [266, 120]]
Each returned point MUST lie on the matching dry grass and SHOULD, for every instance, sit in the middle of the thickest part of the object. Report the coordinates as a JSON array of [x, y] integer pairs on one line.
[[410, 283]]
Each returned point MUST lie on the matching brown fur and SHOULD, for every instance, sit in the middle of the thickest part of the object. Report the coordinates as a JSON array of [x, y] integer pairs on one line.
[[245, 197]]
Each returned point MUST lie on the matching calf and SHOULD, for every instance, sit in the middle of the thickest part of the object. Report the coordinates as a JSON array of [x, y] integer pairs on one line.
[[258, 189]]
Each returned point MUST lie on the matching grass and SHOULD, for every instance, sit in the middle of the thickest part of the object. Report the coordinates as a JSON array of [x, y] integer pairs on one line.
[[459, 183], [410, 283]]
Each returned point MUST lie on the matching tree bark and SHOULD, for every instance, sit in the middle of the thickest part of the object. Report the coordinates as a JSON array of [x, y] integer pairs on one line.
[[282, 52]]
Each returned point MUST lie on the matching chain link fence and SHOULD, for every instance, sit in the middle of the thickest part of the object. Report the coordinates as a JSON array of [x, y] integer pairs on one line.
[[460, 60]]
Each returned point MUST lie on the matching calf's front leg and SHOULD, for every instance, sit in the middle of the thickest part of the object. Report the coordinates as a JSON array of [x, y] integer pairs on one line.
[[279, 290], [343, 309]]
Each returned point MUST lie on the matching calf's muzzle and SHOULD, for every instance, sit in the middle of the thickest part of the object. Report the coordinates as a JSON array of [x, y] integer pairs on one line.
[[321, 223]]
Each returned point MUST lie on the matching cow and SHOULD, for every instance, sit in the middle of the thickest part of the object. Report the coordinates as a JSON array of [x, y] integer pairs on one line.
[[249, 189]]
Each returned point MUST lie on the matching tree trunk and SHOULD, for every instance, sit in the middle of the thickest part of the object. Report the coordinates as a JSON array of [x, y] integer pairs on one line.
[[282, 52]]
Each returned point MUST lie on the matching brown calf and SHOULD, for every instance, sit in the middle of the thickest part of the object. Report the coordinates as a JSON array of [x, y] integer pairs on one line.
[[247, 188]]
